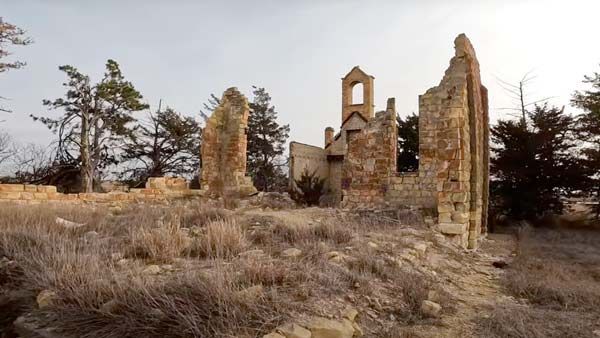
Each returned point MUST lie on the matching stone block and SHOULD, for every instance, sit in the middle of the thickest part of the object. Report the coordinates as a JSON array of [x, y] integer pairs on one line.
[[453, 228], [10, 195], [12, 187], [460, 217], [30, 188], [46, 188]]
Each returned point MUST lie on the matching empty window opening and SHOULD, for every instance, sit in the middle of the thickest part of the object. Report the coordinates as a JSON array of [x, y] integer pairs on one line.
[[408, 144], [357, 93]]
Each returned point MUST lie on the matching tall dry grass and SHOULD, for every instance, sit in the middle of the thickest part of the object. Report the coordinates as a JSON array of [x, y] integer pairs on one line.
[[47, 256], [219, 239], [558, 272]]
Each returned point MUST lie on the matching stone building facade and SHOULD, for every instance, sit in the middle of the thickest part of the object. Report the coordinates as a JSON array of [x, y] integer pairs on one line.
[[359, 162], [224, 144]]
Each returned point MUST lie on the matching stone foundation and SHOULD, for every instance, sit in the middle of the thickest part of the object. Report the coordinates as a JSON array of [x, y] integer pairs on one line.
[[158, 189]]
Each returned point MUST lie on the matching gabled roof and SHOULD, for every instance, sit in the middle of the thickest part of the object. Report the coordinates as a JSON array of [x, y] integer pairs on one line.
[[356, 69], [352, 114]]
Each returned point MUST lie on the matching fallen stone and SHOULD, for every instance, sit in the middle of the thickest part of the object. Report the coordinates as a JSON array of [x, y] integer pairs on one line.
[[152, 270], [110, 307], [167, 267], [291, 253], [420, 248], [430, 309], [46, 298], [90, 236], [67, 224], [350, 313], [157, 314], [251, 293], [373, 245], [123, 262], [252, 253], [358, 332], [293, 331], [452, 228], [336, 256], [328, 328]]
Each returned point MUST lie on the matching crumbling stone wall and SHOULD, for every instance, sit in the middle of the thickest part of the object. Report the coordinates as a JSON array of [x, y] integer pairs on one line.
[[370, 161], [306, 157], [453, 172], [158, 189], [224, 146]]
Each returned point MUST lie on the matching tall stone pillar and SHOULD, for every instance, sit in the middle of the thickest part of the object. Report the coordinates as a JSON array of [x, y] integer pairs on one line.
[[453, 128], [224, 146]]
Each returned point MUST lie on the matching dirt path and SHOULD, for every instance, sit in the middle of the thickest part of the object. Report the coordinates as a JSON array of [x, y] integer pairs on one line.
[[476, 287]]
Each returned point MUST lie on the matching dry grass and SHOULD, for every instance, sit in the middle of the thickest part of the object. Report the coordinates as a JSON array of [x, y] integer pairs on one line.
[[160, 244], [513, 321], [44, 256], [558, 273], [296, 233], [220, 239], [190, 305], [202, 298]]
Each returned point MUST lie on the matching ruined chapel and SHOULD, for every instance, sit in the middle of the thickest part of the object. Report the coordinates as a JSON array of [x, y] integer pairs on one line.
[[359, 161]]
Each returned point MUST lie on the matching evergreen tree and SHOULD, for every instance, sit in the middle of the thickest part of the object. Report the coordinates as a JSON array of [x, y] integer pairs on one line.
[[166, 143], [94, 121], [534, 166], [266, 144], [408, 143], [589, 127]]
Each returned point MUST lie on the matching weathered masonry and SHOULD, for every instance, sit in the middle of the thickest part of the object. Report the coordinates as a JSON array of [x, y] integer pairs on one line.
[[224, 144], [359, 162]]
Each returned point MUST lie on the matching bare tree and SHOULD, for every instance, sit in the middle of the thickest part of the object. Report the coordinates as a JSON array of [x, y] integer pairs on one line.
[[10, 35], [520, 96], [5, 147]]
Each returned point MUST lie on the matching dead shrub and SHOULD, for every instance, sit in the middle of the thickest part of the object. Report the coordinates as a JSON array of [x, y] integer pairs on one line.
[[201, 215], [295, 233], [414, 290], [557, 269], [514, 321], [158, 244], [368, 264], [271, 272], [190, 305], [221, 239]]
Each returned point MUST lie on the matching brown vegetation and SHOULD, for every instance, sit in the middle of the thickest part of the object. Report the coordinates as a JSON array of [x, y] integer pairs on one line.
[[218, 264], [557, 277]]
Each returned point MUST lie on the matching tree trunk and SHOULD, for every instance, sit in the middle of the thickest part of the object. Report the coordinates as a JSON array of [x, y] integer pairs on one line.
[[85, 170]]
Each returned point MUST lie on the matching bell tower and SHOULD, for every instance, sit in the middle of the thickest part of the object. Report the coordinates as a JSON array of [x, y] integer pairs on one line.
[[352, 103]]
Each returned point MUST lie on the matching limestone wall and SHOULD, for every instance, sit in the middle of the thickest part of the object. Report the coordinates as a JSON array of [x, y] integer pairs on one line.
[[158, 189], [370, 161], [307, 157], [453, 172], [224, 144]]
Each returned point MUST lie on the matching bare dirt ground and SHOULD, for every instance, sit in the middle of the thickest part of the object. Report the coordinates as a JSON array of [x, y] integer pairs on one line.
[[205, 271]]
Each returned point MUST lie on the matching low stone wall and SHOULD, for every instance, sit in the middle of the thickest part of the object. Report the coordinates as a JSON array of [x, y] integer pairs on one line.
[[157, 189], [409, 189]]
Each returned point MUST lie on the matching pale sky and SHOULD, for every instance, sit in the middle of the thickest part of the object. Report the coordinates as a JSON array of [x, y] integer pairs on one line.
[[180, 51]]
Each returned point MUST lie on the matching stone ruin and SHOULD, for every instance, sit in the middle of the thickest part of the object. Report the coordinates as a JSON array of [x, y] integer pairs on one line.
[[359, 162], [224, 145]]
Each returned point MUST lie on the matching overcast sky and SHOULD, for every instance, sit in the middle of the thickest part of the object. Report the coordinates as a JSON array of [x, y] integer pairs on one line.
[[180, 51]]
